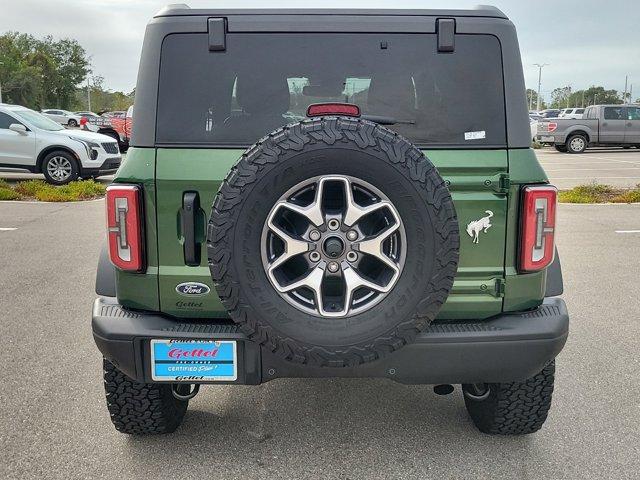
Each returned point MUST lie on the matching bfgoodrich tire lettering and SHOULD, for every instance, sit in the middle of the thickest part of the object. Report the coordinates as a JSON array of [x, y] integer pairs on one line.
[[333, 146]]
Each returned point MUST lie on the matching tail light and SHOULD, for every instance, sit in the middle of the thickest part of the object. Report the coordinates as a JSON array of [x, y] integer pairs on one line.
[[538, 224], [551, 127], [347, 109], [124, 226]]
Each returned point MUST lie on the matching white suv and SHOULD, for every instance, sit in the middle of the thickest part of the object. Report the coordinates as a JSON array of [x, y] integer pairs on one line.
[[33, 142], [573, 113]]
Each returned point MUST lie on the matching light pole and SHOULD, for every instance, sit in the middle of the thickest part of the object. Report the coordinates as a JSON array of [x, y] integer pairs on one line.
[[1, 63], [539, 81], [88, 94]]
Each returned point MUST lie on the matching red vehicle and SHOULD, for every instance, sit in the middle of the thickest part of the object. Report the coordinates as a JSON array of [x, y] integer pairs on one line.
[[116, 126]]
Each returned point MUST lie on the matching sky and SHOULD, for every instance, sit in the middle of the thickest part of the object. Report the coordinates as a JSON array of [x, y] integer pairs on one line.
[[585, 42]]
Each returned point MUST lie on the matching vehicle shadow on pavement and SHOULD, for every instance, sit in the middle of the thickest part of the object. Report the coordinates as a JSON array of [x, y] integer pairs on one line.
[[372, 427]]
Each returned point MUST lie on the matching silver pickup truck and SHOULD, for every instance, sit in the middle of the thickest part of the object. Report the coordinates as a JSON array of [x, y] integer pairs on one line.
[[601, 125]]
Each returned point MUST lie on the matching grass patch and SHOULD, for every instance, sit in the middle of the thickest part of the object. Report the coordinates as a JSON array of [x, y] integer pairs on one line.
[[44, 192], [598, 193], [9, 194]]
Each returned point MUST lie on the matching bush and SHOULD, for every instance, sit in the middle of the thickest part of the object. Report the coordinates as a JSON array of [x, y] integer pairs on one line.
[[31, 187], [597, 193], [631, 196], [8, 194], [44, 192]]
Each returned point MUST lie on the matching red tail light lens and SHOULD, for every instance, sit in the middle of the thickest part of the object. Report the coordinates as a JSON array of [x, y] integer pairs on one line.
[[124, 226], [319, 109], [552, 126], [538, 217]]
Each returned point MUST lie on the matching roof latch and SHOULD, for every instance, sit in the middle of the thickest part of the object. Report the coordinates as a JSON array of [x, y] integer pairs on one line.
[[446, 29], [217, 34]]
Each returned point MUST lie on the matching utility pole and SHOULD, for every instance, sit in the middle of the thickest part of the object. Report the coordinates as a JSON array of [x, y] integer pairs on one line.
[[539, 81], [1, 63], [88, 94], [626, 81]]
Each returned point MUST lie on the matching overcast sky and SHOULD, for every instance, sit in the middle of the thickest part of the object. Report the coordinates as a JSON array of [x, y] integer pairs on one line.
[[586, 42]]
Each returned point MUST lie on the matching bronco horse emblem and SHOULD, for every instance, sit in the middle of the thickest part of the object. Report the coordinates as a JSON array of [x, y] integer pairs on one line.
[[474, 228]]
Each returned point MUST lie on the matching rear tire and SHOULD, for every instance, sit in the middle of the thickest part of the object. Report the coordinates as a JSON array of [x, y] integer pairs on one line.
[[141, 408], [72, 123], [561, 148], [577, 143], [516, 408]]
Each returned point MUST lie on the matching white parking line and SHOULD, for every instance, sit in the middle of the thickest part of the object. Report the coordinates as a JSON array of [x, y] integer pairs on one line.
[[8, 229], [627, 231]]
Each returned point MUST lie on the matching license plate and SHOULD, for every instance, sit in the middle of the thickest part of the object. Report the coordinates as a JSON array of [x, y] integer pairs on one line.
[[547, 139], [194, 360]]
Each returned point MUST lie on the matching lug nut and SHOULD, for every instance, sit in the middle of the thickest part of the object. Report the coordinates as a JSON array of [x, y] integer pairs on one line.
[[352, 256], [314, 235], [333, 224], [352, 235], [333, 267], [314, 256]]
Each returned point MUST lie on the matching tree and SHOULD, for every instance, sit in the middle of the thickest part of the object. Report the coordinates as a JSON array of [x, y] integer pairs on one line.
[[102, 99], [532, 100], [41, 73], [560, 97], [583, 98]]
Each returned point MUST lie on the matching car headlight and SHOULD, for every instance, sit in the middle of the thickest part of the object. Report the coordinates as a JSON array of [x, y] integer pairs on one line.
[[90, 147]]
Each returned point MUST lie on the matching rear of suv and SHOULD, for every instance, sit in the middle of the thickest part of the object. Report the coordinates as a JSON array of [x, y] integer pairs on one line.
[[330, 193]]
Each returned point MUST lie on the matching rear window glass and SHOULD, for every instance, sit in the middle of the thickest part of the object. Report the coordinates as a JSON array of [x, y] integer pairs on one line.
[[264, 81]]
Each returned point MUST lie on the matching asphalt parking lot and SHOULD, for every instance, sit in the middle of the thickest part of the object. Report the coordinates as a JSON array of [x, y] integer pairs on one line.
[[54, 422], [612, 166]]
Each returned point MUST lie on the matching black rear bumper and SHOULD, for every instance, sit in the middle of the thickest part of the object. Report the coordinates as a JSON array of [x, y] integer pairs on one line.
[[505, 348]]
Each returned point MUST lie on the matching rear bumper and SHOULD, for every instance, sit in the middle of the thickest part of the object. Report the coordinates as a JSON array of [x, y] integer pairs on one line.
[[505, 348]]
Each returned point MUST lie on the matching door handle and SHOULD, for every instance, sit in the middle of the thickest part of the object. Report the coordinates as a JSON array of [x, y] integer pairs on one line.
[[629, 124], [190, 209]]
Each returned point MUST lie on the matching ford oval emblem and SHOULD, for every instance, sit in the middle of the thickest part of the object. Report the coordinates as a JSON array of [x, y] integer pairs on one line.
[[192, 289]]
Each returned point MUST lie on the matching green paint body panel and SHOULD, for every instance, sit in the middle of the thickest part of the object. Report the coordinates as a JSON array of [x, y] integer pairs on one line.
[[135, 290], [479, 180]]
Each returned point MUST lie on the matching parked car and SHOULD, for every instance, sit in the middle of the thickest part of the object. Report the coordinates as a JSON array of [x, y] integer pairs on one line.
[[31, 141], [117, 114], [533, 124], [574, 113], [115, 127], [550, 113], [601, 125], [333, 247], [63, 117], [87, 115]]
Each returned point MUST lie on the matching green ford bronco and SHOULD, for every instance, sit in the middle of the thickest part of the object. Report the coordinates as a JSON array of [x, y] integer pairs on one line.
[[330, 193]]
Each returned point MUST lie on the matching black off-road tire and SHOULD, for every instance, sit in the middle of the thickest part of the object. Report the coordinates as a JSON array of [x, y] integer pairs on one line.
[[141, 408], [561, 148], [515, 408], [333, 146]]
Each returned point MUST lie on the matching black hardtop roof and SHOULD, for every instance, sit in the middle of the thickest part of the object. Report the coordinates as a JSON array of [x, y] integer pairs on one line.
[[181, 9]]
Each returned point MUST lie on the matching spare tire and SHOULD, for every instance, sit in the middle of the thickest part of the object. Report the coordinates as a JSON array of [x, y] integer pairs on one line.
[[333, 242]]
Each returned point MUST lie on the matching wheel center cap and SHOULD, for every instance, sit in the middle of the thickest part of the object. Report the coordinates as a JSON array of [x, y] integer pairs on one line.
[[333, 247]]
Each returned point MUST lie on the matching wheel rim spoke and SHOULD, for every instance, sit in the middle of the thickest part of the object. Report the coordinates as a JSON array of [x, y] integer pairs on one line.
[[340, 282]]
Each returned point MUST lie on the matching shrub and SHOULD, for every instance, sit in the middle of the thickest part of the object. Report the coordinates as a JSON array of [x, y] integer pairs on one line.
[[8, 194]]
